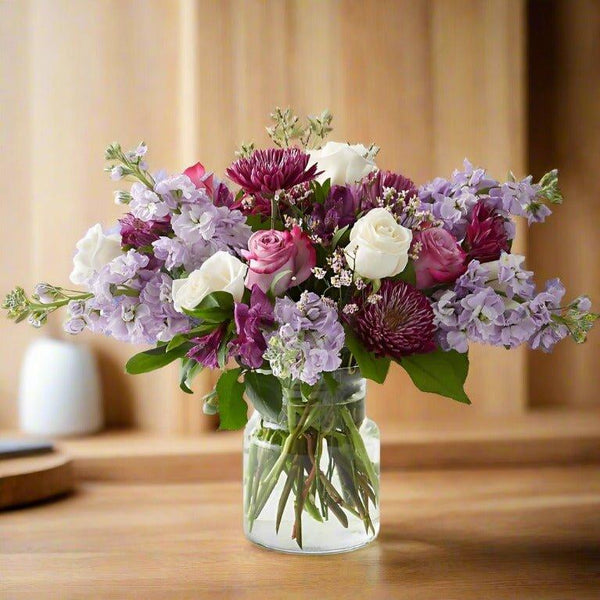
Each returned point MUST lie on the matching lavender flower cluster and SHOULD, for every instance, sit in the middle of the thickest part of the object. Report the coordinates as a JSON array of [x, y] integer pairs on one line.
[[453, 200], [308, 341], [496, 303], [173, 227]]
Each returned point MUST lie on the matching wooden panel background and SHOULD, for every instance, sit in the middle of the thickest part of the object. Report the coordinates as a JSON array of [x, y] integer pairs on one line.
[[194, 78], [565, 132]]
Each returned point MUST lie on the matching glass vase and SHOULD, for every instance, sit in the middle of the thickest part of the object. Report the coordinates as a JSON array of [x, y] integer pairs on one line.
[[311, 473]]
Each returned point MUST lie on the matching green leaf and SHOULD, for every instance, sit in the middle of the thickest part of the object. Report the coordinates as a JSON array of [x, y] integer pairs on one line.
[[177, 340], [321, 191], [217, 307], [264, 391], [439, 372], [331, 382], [337, 236], [256, 222], [232, 407], [222, 354], [550, 190], [409, 275], [370, 366], [189, 369], [155, 358]]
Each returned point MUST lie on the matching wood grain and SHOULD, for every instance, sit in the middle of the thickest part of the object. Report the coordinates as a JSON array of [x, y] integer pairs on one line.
[[493, 534], [565, 134], [558, 437], [429, 81], [30, 479]]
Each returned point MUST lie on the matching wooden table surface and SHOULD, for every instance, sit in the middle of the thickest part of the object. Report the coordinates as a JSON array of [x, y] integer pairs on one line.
[[527, 533]]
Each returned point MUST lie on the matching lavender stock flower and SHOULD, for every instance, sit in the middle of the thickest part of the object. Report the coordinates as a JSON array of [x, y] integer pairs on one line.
[[308, 341], [496, 304]]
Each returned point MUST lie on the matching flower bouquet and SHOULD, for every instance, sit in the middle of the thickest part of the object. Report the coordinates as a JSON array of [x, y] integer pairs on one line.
[[317, 271]]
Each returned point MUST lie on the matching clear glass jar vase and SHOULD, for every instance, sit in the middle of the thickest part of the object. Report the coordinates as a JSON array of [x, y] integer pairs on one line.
[[311, 475]]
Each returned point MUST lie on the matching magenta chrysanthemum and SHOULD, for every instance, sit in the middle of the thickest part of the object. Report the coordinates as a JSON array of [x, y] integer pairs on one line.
[[265, 172], [398, 323]]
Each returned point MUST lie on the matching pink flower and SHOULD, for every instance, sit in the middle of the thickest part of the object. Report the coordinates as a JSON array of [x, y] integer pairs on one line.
[[440, 258], [272, 252], [199, 177]]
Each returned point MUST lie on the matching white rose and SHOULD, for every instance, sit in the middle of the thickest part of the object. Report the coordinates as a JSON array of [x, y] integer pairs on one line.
[[222, 272], [94, 250], [342, 163], [378, 245]]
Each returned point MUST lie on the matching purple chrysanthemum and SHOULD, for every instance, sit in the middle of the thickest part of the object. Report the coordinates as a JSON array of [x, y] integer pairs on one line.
[[136, 233], [265, 172], [399, 323]]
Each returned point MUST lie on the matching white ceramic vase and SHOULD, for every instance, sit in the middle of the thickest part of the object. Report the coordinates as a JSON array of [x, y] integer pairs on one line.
[[60, 393]]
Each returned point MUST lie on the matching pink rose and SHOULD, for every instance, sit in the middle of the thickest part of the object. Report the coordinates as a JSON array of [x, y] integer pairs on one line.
[[199, 177], [272, 252], [440, 258]]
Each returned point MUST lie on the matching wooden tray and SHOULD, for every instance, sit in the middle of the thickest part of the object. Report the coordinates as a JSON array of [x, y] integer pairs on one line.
[[30, 479]]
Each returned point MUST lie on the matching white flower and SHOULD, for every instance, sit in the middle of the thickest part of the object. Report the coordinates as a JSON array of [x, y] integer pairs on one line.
[[222, 272], [94, 250], [342, 163], [378, 245]]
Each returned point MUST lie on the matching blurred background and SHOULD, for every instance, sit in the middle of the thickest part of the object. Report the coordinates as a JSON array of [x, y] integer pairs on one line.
[[510, 84]]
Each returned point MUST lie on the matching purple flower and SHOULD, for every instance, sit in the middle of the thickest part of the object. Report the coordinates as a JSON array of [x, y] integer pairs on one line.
[[163, 322], [177, 189], [522, 199], [547, 337], [339, 210], [308, 341], [398, 324], [440, 259], [486, 236], [496, 304], [206, 348], [372, 190], [196, 222], [250, 343], [513, 279], [265, 172], [452, 201], [125, 267], [137, 233], [75, 325], [146, 204]]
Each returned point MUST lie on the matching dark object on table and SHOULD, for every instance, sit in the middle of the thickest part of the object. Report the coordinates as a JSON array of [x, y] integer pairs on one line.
[[14, 448]]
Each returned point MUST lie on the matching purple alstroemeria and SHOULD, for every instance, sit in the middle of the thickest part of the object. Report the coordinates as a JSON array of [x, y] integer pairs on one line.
[[136, 233], [339, 210], [250, 343], [206, 348]]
